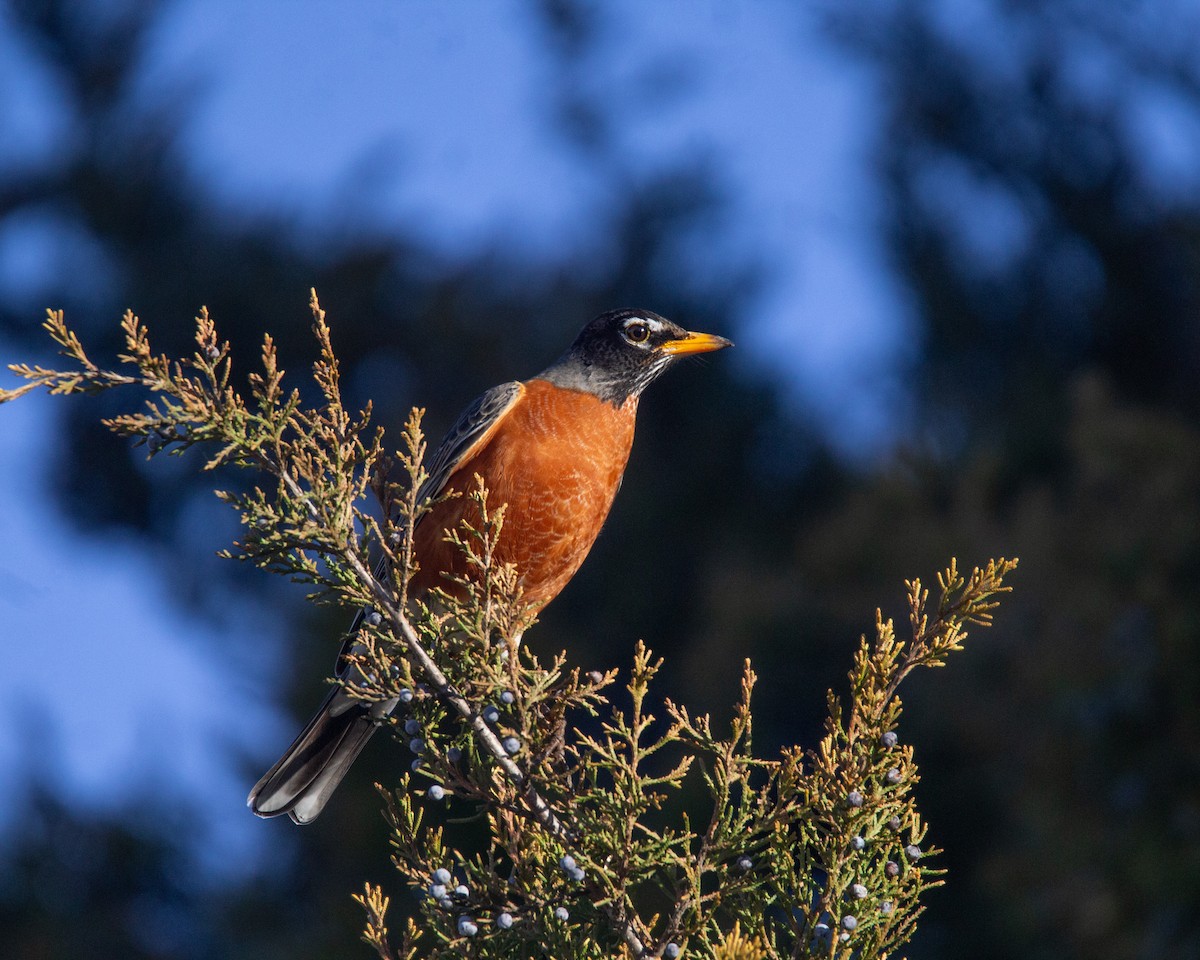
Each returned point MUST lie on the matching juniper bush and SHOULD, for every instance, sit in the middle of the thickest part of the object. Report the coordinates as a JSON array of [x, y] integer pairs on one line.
[[585, 854]]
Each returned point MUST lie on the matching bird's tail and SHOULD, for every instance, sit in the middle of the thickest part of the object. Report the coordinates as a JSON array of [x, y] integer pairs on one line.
[[303, 779]]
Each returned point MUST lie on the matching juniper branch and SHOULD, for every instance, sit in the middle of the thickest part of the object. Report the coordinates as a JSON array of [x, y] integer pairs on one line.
[[788, 845]]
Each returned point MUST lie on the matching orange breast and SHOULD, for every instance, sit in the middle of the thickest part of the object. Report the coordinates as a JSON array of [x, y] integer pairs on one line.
[[556, 460]]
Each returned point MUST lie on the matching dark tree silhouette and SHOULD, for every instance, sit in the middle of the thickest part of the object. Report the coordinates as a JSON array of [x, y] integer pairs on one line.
[[1053, 264]]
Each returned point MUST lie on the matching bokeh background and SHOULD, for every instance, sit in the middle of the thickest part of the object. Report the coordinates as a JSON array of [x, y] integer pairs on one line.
[[958, 244]]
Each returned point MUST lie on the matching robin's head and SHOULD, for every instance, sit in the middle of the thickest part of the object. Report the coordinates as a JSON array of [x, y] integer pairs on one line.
[[622, 352]]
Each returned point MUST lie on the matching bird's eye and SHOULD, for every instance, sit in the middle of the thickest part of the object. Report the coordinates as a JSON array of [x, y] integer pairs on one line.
[[637, 332]]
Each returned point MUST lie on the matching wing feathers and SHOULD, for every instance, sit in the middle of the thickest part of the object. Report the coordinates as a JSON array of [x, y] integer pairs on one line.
[[306, 775], [468, 433]]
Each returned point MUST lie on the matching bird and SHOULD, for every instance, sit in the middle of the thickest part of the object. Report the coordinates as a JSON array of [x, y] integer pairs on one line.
[[553, 449]]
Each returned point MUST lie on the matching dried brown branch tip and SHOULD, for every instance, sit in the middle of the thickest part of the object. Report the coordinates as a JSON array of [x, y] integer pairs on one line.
[[571, 778]]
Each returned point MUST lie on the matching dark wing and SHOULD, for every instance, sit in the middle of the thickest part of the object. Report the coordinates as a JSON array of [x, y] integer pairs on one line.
[[301, 782], [473, 426]]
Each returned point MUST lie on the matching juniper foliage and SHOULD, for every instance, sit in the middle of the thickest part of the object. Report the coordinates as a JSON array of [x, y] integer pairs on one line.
[[818, 852]]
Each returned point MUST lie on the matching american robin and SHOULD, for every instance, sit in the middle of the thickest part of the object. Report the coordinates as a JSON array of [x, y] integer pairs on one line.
[[553, 449]]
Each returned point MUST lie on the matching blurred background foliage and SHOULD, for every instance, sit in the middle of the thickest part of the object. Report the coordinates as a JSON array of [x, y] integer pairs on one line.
[[1051, 273]]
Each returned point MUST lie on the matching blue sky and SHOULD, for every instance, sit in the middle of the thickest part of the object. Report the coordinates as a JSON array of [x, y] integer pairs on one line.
[[435, 116]]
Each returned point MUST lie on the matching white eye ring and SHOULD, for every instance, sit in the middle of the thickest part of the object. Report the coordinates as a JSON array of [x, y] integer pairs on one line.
[[637, 331]]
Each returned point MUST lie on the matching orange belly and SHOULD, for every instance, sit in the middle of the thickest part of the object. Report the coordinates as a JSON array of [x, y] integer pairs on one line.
[[556, 460]]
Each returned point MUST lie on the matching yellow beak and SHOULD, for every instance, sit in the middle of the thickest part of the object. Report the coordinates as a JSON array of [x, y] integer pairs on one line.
[[695, 343]]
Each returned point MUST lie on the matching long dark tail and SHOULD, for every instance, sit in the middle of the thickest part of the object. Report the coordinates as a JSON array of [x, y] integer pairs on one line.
[[303, 779]]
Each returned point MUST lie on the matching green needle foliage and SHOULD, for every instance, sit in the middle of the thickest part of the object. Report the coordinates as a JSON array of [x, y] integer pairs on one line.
[[815, 853]]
